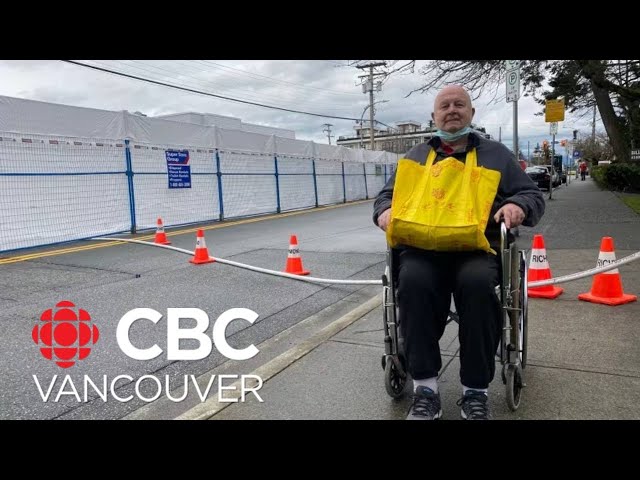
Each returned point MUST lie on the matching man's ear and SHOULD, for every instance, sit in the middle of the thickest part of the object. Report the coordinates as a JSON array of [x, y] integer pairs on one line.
[[433, 117], [473, 112]]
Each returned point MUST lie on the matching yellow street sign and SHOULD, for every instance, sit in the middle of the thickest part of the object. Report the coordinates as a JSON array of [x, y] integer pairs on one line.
[[554, 111]]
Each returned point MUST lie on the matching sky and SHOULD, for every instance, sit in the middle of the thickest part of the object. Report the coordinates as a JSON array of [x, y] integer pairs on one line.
[[326, 87]]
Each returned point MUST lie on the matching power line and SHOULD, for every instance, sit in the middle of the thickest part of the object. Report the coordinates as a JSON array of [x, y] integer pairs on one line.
[[257, 75], [247, 95], [205, 93]]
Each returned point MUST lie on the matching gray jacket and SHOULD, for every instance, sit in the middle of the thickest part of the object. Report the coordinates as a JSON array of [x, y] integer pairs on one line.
[[515, 185]]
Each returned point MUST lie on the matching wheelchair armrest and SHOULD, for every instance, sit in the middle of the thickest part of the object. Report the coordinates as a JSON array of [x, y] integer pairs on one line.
[[504, 236], [391, 268]]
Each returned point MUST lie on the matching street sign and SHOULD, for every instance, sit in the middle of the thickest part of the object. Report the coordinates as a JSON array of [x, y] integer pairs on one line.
[[554, 111], [554, 128], [513, 80], [513, 86], [576, 153], [512, 64], [635, 154]]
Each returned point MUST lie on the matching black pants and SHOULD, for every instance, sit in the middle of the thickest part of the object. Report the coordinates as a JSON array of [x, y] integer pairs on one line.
[[426, 281]]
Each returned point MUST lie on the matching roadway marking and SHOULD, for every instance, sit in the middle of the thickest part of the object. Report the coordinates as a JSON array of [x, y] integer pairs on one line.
[[63, 251]]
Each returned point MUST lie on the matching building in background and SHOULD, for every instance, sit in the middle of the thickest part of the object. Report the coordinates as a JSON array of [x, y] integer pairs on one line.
[[232, 123], [398, 139]]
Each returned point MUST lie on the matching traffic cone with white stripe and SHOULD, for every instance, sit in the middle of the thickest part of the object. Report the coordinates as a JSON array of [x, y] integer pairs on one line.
[[294, 261], [607, 286], [161, 237], [539, 270], [201, 254]]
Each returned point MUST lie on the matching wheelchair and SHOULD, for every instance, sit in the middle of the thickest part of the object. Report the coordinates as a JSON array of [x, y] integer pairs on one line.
[[512, 351]]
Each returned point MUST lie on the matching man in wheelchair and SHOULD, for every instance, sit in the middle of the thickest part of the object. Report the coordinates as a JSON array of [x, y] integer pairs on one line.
[[434, 265]]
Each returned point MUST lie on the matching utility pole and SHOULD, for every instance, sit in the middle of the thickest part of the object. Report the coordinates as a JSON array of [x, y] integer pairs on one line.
[[368, 87], [593, 126], [554, 129], [500, 134], [569, 157], [371, 112], [328, 131], [528, 152]]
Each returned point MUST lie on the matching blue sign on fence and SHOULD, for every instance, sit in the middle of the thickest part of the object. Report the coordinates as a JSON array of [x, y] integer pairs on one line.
[[576, 154], [178, 168]]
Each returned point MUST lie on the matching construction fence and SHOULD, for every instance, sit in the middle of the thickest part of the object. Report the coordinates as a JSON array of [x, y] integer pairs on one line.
[[57, 189]]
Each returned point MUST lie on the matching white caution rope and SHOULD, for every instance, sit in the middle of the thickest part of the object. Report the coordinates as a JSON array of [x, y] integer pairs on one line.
[[587, 273], [539, 283], [250, 267]]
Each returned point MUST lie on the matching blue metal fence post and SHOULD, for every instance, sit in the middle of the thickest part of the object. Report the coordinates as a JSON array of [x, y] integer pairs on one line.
[[344, 185], [132, 199], [275, 162], [220, 196], [366, 190], [315, 180]]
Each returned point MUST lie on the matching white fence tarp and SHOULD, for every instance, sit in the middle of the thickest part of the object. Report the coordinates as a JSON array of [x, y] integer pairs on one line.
[[68, 173]]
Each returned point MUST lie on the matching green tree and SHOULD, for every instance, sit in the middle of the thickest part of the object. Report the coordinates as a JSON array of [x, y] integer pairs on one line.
[[613, 86]]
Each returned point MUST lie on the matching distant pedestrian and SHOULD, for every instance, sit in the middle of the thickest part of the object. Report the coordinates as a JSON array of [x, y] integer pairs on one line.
[[583, 170]]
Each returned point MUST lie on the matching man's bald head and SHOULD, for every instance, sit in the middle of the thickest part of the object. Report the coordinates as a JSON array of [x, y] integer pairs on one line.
[[449, 90], [452, 109]]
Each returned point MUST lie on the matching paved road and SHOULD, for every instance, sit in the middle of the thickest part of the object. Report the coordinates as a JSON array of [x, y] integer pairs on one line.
[[336, 243]]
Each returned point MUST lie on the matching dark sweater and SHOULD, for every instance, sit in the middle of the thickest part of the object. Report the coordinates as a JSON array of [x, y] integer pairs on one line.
[[515, 185]]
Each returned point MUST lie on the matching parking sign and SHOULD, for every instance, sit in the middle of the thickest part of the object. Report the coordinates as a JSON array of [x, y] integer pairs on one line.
[[513, 80]]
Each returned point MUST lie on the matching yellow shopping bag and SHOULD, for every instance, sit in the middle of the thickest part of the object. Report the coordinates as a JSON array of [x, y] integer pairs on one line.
[[442, 207]]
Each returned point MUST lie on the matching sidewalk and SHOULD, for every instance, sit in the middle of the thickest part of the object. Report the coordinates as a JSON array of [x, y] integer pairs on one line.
[[584, 360]]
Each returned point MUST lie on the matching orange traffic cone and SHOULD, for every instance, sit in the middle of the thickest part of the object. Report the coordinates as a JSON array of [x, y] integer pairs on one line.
[[607, 286], [539, 270], [161, 237], [294, 262], [201, 254]]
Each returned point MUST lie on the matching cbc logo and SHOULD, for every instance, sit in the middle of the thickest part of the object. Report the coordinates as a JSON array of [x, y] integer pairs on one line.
[[65, 334]]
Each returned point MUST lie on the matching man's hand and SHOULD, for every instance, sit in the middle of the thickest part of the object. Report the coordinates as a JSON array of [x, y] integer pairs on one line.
[[384, 218], [512, 213]]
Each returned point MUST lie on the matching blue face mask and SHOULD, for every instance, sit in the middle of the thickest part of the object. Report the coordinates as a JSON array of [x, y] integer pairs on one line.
[[450, 137]]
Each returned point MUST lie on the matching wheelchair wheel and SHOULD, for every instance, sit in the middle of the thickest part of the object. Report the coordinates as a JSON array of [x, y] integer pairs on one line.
[[513, 373], [394, 383], [524, 313]]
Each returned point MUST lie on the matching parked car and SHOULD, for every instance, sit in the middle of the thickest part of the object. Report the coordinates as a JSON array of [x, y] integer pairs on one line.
[[556, 175], [562, 172], [541, 174], [563, 176]]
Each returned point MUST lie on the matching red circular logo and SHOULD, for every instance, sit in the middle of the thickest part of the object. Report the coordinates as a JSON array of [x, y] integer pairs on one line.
[[66, 335]]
